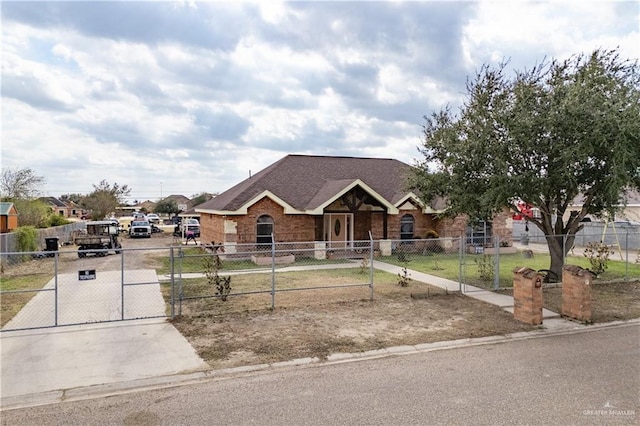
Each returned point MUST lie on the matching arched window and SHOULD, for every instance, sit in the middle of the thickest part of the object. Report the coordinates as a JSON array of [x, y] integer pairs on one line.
[[406, 227], [264, 229]]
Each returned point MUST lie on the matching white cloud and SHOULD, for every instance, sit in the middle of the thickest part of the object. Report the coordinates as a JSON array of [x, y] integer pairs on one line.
[[201, 93]]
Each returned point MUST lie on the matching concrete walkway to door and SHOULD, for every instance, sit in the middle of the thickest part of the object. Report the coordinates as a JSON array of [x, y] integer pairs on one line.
[[502, 300], [39, 362]]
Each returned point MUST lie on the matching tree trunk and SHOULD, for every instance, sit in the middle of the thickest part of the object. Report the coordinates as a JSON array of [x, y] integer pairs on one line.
[[557, 251]]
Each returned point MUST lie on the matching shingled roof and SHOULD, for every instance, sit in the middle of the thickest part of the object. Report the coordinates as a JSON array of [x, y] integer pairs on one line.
[[307, 182]]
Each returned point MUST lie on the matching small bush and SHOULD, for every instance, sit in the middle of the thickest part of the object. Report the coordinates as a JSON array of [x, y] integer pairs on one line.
[[598, 254], [57, 220], [212, 264], [432, 234], [485, 267], [403, 277], [26, 238]]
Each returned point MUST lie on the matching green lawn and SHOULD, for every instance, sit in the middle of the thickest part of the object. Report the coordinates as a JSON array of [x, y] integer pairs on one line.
[[442, 265], [193, 259], [448, 266], [11, 303]]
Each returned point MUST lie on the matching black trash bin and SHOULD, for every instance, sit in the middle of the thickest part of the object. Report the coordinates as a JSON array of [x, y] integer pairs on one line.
[[51, 244]]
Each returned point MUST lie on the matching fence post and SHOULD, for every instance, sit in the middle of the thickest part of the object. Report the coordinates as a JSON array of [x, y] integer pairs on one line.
[[460, 264], [55, 297], [122, 284], [370, 266], [173, 283], [273, 272], [180, 289], [496, 263], [626, 249]]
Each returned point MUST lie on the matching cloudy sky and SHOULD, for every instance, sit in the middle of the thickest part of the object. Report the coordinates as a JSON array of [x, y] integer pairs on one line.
[[190, 97]]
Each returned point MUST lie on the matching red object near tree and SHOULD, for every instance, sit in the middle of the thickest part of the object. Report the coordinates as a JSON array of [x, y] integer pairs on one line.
[[525, 211]]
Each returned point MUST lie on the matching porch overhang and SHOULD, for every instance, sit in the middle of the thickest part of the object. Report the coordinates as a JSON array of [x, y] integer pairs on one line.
[[384, 203]]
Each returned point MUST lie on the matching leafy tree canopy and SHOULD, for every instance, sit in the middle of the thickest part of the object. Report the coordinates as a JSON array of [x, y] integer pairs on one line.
[[34, 213], [201, 198], [20, 184], [546, 136], [167, 206], [105, 198]]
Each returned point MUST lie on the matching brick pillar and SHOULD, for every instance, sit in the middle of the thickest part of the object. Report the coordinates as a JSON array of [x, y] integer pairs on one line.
[[576, 293], [527, 296]]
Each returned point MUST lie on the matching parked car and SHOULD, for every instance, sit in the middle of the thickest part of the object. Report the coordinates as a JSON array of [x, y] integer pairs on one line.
[[153, 218]]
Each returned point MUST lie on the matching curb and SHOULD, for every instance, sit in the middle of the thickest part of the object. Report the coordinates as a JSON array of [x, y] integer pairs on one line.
[[559, 327]]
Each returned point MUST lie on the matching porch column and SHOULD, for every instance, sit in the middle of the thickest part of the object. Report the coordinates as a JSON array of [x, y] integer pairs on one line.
[[384, 224]]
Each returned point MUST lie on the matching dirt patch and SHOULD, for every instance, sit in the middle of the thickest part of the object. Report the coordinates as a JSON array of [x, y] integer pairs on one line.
[[610, 301], [319, 323]]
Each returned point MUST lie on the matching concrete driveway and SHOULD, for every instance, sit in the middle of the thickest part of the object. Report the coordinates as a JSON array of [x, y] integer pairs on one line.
[[53, 359]]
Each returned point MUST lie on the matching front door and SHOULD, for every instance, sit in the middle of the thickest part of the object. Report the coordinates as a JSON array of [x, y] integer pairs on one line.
[[338, 229]]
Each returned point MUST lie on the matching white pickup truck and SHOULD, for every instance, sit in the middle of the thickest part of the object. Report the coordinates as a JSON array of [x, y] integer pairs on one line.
[[140, 228]]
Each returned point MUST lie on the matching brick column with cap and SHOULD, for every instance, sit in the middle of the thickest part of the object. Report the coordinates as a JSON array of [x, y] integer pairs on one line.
[[527, 295], [576, 293]]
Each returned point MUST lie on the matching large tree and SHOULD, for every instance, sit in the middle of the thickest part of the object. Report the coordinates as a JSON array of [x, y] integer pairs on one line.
[[201, 198], [20, 184], [167, 206], [33, 213], [560, 131], [105, 198]]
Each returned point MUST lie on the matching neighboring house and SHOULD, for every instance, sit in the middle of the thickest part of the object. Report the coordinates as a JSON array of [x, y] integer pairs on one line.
[[62, 208], [337, 200], [73, 209], [147, 206], [59, 207], [8, 218], [630, 212], [182, 201]]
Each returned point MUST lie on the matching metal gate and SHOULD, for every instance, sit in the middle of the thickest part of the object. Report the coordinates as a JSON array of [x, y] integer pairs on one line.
[[52, 289]]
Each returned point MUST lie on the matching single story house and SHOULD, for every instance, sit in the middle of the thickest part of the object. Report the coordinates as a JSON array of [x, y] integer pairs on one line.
[[62, 208], [629, 212], [8, 217], [336, 200]]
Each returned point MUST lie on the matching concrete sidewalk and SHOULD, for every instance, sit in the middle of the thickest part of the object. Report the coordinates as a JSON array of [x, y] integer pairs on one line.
[[501, 300]]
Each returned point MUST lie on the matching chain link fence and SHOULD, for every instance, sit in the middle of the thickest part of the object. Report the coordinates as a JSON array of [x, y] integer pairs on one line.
[[50, 289], [55, 288], [614, 255], [263, 276]]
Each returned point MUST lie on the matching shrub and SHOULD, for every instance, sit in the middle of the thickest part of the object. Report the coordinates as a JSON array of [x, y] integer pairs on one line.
[[57, 220], [26, 238], [212, 264], [403, 277], [432, 234], [598, 255], [485, 267]]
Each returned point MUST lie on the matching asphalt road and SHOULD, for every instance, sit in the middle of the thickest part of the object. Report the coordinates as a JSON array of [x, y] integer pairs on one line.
[[583, 378]]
